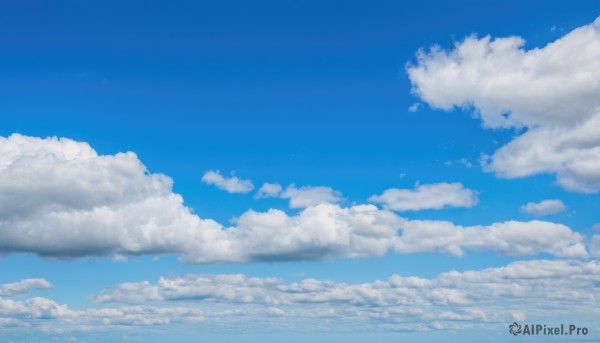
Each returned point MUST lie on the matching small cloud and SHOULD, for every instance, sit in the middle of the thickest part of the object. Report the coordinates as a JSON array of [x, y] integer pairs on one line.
[[268, 190], [402, 175], [544, 208], [553, 28], [596, 227], [414, 107], [230, 184], [307, 196], [429, 196]]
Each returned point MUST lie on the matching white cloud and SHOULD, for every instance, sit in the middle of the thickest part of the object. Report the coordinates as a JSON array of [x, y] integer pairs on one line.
[[542, 289], [544, 207], [307, 196], [431, 196], [268, 190], [23, 287], [507, 238], [231, 184], [551, 91], [536, 289], [58, 198]]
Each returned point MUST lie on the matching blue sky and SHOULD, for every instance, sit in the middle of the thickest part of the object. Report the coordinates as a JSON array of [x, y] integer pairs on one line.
[[407, 140]]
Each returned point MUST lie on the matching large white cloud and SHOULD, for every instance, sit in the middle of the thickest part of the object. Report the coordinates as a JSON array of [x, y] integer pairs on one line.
[[430, 196], [551, 91], [60, 198]]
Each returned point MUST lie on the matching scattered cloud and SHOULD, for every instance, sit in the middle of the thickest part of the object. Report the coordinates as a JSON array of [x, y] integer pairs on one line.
[[429, 196], [551, 91], [268, 190], [307, 196], [231, 184], [58, 198], [544, 208]]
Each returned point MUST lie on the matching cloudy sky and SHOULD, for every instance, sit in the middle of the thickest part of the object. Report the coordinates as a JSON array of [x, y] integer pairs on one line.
[[327, 171]]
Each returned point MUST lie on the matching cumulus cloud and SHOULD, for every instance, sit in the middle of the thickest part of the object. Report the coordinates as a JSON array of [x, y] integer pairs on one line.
[[231, 184], [544, 207], [550, 91], [506, 238], [59, 198], [430, 196], [307, 196], [268, 190]]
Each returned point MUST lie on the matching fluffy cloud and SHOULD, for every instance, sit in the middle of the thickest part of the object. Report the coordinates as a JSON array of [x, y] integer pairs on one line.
[[431, 196], [544, 207], [231, 184], [268, 190], [551, 91], [59, 198], [307, 196]]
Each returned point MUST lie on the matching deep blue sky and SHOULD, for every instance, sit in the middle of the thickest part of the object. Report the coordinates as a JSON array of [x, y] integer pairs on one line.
[[305, 92]]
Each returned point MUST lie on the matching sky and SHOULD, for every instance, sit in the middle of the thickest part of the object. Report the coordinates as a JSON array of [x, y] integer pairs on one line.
[[332, 171]]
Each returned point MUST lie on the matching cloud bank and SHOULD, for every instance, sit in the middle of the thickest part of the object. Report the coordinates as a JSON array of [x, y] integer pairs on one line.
[[59, 198], [526, 290]]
